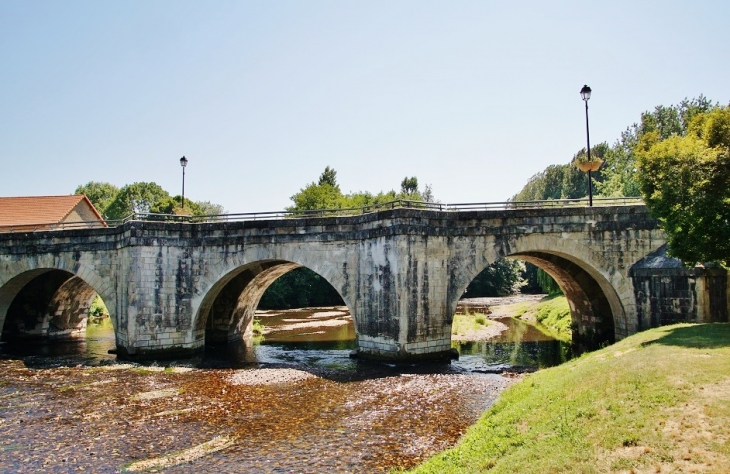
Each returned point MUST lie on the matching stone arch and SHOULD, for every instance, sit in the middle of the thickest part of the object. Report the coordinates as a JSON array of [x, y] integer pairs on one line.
[[224, 306], [68, 289], [597, 293]]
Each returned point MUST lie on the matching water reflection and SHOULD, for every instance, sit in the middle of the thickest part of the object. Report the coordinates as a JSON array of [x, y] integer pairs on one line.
[[92, 350], [314, 337], [521, 347]]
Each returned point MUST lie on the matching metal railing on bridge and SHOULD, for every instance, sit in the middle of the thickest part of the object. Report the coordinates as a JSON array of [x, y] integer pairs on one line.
[[293, 214]]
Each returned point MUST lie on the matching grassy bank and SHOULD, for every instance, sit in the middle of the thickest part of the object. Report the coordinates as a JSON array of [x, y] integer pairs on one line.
[[465, 323], [553, 312], [658, 401]]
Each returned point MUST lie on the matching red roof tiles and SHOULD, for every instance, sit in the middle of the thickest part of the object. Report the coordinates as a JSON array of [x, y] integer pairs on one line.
[[30, 210]]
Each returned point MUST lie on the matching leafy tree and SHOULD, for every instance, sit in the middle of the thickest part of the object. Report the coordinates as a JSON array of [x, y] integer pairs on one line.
[[135, 198], [561, 181], [502, 278], [171, 205], [326, 194], [685, 181], [409, 185], [547, 283], [329, 176], [300, 288], [620, 178], [317, 196], [100, 194], [620, 171], [428, 194], [207, 208]]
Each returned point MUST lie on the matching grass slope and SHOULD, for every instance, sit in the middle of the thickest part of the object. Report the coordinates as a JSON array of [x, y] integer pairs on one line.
[[465, 323], [658, 401]]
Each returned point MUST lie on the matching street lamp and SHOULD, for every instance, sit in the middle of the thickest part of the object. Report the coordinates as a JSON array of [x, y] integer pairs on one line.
[[585, 94], [184, 163]]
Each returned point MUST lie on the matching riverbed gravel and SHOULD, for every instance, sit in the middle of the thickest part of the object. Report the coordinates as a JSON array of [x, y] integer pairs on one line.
[[265, 419]]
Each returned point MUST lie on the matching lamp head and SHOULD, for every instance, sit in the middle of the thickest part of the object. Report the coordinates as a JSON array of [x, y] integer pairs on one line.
[[585, 93], [183, 162]]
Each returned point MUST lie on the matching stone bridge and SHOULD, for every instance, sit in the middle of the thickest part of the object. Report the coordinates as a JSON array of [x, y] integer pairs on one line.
[[172, 288]]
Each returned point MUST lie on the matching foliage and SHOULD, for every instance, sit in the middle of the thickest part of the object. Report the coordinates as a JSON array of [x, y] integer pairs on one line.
[[207, 208], [547, 284], [318, 196], [618, 176], [258, 327], [329, 176], [300, 288], [409, 185], [620, 172], [100, 194], [98, 308], [326, 194], [135, 198], [629, 407], [562, 181], [685, 181], [502, 278], [114, 203], [428, 195], [171, 205]]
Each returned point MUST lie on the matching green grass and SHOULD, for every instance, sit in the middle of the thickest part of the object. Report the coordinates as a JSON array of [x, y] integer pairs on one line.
[[658, 401], [465, 323], [553, 312], [258, 327]]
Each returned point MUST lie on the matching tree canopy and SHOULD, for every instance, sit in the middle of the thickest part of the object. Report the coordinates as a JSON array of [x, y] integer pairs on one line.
[[685, 181], [619, 175], [502, 278], [135, 198], [100, 194], [326, 194], [328, 176], [114, 203]]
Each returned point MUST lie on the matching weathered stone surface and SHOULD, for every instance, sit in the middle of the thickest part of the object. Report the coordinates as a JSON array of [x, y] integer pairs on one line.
[[170, 287]]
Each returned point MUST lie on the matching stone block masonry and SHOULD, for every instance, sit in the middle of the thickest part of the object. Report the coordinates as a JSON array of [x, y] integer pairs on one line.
[[173, 287]]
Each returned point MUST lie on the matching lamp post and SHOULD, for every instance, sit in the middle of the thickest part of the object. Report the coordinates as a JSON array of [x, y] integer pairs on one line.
[[184, 163], [585, 94]]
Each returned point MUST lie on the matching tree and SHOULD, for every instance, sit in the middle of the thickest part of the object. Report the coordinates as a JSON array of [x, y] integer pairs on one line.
[[547, 283], [685, 181], [428, 194], [135, 198], [171, 205], [329, 176], [207, 208], [502, 278], [100, 194], [620, 171], [409, 185], [299, 288], [561, 181], [317, 196]]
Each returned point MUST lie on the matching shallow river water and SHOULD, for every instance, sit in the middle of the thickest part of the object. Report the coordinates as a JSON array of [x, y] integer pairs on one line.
[[294, 402]]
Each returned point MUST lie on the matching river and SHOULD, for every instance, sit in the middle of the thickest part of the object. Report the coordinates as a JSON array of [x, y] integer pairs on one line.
[[293, 402]]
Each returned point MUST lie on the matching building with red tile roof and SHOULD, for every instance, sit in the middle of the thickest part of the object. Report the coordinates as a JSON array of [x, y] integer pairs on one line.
[[28, 213]]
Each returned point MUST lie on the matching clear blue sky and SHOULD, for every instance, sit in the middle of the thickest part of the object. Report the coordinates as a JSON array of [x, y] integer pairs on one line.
[[471, 97]]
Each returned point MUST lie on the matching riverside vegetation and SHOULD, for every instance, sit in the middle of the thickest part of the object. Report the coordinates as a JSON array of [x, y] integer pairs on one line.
[[630, 407]]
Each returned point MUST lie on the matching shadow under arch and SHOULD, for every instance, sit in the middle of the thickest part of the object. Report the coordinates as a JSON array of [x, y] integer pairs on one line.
[[591, 311], [49, 303], [227, 310]]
